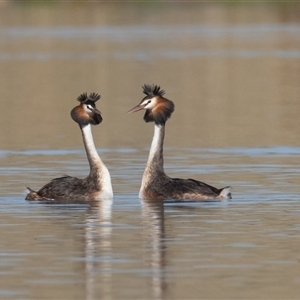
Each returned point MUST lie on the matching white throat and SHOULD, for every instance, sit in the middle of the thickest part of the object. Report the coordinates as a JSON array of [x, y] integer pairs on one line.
[[96, 163], [157, 143], [89, 145], [155, 160]]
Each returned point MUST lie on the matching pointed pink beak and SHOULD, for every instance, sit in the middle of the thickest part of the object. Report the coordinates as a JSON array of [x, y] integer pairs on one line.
[[137, 108]]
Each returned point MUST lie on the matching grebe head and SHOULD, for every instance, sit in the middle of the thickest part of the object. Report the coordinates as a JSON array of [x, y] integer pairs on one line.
[[87, 113], [158, 109]]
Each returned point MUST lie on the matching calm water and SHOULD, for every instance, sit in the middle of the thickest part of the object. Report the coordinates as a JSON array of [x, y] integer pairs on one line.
[[233, 73]]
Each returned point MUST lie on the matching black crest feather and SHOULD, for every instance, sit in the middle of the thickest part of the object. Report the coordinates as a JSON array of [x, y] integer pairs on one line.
[[84, 98], [152, 90]]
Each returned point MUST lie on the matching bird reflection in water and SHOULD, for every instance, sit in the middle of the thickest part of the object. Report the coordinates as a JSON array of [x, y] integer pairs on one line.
[[153, 217], [98, 250]]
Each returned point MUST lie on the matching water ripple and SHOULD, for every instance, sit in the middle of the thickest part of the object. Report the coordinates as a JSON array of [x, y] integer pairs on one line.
[[155, 32]]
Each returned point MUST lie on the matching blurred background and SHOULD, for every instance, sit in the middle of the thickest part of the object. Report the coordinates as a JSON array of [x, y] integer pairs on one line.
[[231, 68]]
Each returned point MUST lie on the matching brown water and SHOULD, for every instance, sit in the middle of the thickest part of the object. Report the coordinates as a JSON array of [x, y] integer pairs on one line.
[[233, 73]]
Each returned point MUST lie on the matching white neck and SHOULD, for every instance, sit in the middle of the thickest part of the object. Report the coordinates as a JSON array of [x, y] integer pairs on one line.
[[156, 149], [155, 161], [96, 164], [90, 148]]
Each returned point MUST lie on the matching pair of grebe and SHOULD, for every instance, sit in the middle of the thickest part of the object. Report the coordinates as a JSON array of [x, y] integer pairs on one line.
[[156, 185]]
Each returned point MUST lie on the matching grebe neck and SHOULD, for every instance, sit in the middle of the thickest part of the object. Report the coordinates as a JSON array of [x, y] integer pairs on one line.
[[155, 164], [98, 171], [91, 152], [156, 159]]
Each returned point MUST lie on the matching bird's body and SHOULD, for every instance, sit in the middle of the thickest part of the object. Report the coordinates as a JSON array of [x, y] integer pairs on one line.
[[97, 185], [156, 185]]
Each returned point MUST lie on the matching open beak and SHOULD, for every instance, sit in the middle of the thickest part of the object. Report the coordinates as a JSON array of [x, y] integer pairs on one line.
[[136, 108]]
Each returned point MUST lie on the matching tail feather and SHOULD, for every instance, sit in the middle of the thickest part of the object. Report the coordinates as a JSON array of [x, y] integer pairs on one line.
[[32, 195], [225, 192]]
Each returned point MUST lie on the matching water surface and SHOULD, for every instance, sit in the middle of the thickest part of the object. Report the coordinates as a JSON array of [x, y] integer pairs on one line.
[[233, 73]]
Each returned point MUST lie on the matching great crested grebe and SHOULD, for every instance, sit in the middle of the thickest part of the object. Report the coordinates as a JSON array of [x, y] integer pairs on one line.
[[156, 185], [97, 185]]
